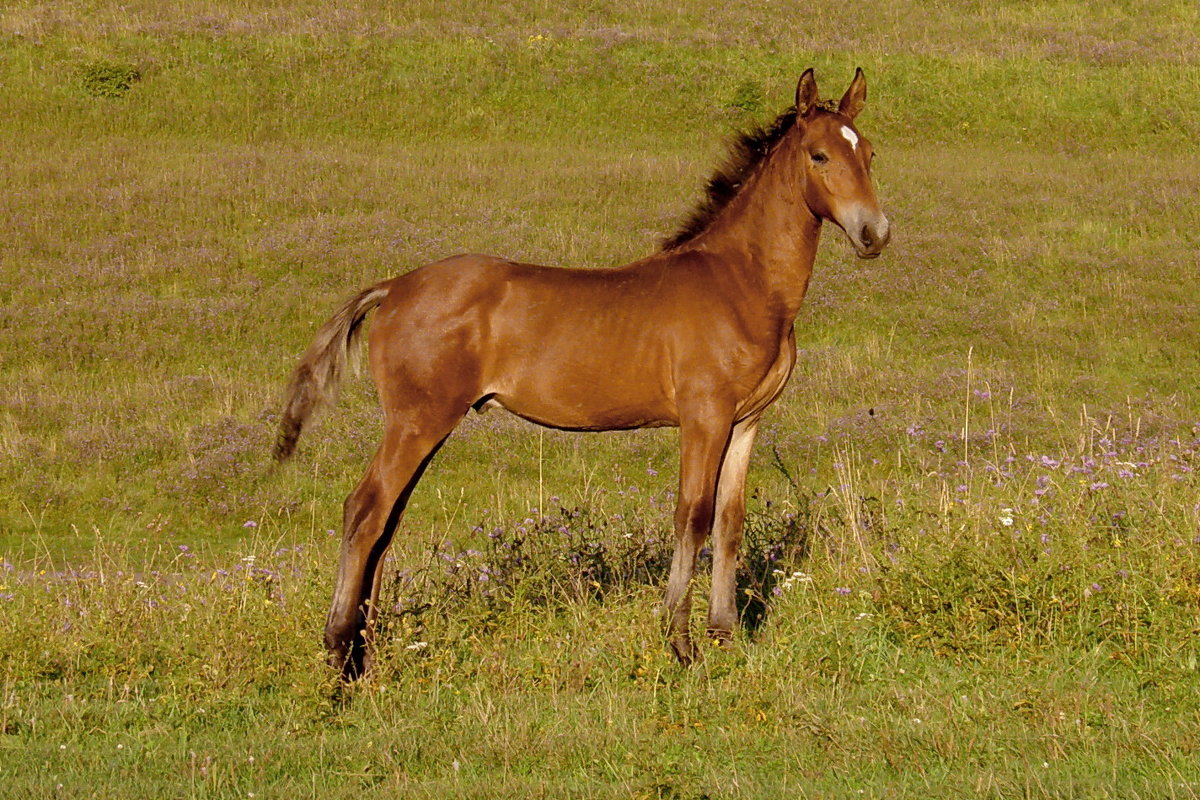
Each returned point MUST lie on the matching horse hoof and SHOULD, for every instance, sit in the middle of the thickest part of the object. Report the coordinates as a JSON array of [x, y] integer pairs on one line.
[[685, 652], [719, 638]]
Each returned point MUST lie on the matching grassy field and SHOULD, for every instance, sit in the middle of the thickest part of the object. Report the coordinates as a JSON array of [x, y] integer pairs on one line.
[[973, 561]]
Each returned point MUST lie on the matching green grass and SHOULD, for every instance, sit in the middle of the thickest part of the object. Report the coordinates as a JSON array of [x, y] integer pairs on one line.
[[189, 189]]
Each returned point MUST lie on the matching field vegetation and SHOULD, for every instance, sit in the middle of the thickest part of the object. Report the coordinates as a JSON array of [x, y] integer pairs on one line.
[[973, 556]]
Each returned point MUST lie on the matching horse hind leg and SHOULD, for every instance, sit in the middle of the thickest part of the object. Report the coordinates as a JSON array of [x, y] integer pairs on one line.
[[372, 514]]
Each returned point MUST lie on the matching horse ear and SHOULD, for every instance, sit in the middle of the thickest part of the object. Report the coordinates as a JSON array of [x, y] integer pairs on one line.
[[855, 97], [806, 92]]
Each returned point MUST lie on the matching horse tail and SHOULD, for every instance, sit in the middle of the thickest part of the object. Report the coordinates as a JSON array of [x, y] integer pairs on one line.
[[317, 376]]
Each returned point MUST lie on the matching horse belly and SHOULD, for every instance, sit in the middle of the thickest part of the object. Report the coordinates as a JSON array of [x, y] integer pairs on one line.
[[562, 387]]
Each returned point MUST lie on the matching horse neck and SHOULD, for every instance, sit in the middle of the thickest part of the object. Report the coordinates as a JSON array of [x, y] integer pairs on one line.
[[768, 235]]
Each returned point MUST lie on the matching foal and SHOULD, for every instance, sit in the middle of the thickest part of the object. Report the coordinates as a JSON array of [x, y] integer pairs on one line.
[[698, 335]]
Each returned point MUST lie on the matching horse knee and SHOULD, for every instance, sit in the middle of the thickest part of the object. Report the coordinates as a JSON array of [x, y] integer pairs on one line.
[[694, 519]]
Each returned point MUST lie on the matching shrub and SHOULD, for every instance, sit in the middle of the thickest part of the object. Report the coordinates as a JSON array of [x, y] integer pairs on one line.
[[106, 79]]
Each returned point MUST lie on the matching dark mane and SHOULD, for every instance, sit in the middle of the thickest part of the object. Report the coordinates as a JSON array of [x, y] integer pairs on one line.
[[746, 152]]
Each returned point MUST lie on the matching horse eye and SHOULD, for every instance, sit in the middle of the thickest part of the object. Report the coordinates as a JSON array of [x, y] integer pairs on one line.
[[819, 158]]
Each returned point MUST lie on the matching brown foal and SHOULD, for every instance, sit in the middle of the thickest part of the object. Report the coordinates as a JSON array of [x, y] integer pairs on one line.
[[698, 335]]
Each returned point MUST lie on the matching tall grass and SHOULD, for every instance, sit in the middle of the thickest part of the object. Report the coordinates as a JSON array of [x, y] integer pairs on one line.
[[972, 565]]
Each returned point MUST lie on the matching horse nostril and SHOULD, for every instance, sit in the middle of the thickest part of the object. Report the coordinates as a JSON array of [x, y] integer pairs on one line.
[[866, 237]]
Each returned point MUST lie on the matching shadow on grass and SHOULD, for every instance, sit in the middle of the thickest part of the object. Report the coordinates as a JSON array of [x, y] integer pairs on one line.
[[772, 540]]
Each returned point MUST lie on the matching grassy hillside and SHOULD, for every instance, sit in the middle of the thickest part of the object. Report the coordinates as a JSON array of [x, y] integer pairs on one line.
[[983, 468]]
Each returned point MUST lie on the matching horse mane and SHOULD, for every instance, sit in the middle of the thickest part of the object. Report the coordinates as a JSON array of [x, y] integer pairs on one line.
[[747, 150]]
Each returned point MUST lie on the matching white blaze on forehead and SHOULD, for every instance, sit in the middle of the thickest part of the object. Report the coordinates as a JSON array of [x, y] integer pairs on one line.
[[851, 137]]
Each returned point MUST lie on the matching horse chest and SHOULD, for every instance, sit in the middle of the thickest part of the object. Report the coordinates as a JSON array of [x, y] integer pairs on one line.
[[770, 385]]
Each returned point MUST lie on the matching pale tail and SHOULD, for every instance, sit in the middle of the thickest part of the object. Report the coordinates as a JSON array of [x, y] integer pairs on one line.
[[317, 376]]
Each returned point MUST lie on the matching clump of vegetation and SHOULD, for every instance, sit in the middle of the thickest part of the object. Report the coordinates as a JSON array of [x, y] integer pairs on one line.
[[552, 560], [108, 79]]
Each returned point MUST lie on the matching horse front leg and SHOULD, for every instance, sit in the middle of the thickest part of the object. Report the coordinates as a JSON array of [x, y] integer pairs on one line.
[[702, 446], [727, 531]]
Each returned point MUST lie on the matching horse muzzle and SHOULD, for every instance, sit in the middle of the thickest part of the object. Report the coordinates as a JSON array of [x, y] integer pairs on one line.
[[869, 234]]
